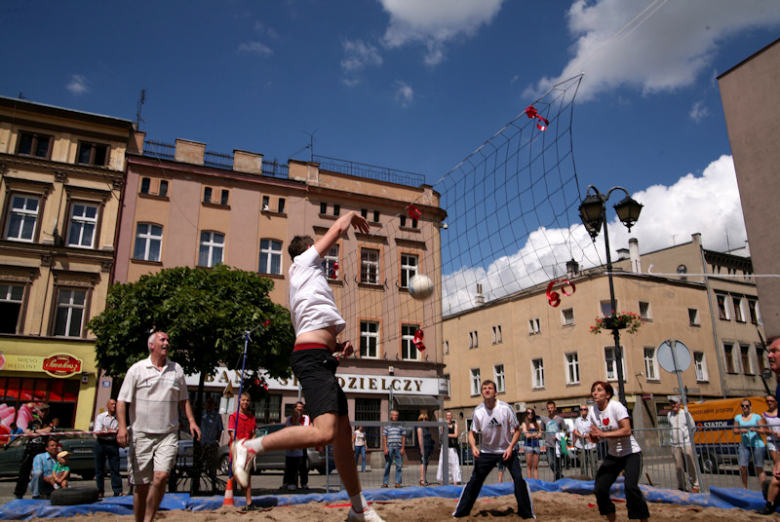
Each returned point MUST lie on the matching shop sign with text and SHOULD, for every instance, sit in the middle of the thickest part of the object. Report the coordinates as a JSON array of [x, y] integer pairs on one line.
[[59, 365]]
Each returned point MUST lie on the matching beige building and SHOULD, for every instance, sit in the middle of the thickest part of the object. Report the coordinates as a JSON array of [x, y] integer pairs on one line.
[[750, 102], [536, 352], [184, 206], [61, 174]]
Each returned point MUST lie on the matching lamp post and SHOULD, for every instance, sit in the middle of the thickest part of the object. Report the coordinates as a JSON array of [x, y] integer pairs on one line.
[[593, 213]]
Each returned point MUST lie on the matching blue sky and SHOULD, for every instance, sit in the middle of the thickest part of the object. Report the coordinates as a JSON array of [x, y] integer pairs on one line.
[[415, 85]]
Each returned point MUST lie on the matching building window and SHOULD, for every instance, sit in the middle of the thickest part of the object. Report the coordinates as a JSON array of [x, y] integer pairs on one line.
[[498, 337], [499, 378], [281, 206], [747, 365], [148, 242], [446, 347], [651, 365], [364, 213], [83, 222], [93, 154], [609, 360], [473, 339], [376, 216], [10, 307], [534, 326], [145, 184], [762, 361], [408, 268], [693, 317], [723, 309], [572, 368], [644, 311], [402, 219], [336, 209], [731, 363], [223, 200], [32, 144], [739, 312], [369, 410], [409, 351], [268, 409], [324, 208], [266, 203], [270, 257], [538, 373], [369, 266], [212, 245], [163, 189], [568, 316], [753, 310], [476, 382], [700, 365], [369, 339], [22, 218], [606, 307], [330, 263], [207, 195], [70, 312]]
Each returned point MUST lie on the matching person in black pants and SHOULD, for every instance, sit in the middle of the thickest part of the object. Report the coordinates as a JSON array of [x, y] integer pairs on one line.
[[34, 446], [107, 448]]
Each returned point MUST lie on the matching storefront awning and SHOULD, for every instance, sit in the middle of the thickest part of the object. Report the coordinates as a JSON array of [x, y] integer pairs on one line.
[[406, 401]]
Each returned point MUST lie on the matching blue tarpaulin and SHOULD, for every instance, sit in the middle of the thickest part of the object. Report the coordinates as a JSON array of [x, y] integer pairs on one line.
[[724, 498]]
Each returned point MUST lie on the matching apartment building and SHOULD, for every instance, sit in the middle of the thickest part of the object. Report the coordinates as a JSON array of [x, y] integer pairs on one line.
[[61, 176]]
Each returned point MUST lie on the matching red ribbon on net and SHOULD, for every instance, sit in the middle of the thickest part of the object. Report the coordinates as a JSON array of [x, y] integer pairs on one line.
[[334, 273], [532, 113], [266, 322], [261, 382], [414, 212], [418, 340], [553, 297]]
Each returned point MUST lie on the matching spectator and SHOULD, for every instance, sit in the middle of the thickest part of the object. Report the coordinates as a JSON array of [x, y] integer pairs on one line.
[[553, 424], [303, 471], [292, 457], [772, 431], [15, 432], [586, 449], [107, 449], [207, 447], [453, 449], [155, 389], [772, 497], [41, 481], [359, 445], [394, 439], [682, 426], [532, 431], [750, 425], [61, 472], [34, 415], [240, 428], [427, 445]]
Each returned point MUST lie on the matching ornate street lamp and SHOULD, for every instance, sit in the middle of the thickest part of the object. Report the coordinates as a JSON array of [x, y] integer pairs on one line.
[[593, 213]]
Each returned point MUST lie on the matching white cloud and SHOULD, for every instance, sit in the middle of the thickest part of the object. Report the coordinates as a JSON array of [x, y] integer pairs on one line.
[[358, 55], [78, 85], [699, 111], [434, 23], [404, 94], [255, 48], [665, 45], [708, 204]]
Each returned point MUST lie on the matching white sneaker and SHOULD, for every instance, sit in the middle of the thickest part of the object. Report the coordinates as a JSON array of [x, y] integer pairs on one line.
[[368, 515], [242, 460], [292, 487]]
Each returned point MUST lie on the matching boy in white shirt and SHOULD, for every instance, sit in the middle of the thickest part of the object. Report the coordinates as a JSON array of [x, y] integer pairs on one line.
[[317, 322], [497, 423]]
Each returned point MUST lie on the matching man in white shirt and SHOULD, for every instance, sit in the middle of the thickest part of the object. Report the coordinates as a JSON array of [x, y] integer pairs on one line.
[[586, 448], [107, 449], [496, 421], [682, 425], [154, 388]]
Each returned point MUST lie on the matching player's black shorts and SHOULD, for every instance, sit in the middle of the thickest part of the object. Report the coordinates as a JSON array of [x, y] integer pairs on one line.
[[315, 369]]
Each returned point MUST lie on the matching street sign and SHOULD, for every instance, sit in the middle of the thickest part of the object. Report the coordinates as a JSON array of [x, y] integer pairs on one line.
[[647, 396], [673, 356]]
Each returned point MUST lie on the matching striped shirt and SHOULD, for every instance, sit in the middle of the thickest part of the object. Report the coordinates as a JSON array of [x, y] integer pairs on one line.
[[395, 434]]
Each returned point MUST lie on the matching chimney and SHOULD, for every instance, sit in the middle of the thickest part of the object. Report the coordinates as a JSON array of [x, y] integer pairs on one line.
[[480, 297], [636, 261], [622, 254], [572, 269], [188, 151]]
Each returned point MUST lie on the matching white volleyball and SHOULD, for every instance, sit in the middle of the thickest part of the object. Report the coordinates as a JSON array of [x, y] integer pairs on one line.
[[420, 286]]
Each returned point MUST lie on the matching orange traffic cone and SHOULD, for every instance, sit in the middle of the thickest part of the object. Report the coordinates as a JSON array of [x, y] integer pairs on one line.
[[228, 494]]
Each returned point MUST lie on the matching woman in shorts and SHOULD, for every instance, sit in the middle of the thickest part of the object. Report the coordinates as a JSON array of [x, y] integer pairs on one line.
[[532, 433], [750, 425], [772, 430]]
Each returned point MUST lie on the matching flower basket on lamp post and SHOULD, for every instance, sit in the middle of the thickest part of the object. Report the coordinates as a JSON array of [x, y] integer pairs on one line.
[[628, 321]]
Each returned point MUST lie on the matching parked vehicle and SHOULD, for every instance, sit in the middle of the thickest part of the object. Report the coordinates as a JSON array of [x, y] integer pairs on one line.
[[274, 460], [716, 442], [80, 445]]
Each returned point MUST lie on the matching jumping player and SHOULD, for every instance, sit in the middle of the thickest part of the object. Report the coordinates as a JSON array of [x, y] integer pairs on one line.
[[317, 322]]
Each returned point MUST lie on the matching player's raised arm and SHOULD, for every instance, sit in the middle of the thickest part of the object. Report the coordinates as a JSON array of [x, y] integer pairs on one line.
[[341, 226]]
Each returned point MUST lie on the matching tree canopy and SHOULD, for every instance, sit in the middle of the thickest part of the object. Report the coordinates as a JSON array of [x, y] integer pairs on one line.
[[205, 313]]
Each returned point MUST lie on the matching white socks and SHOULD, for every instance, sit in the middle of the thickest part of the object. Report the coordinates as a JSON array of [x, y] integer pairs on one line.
[[255, 445], [359, 503]]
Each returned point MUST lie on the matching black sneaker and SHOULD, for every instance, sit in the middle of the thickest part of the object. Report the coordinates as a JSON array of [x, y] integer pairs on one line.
[[766, 510]]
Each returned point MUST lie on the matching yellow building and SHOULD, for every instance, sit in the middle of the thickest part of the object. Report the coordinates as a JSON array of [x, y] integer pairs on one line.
[[536, 352], [61, 174]]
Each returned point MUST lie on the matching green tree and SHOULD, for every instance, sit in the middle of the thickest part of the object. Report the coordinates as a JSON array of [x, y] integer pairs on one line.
[[205, 313]]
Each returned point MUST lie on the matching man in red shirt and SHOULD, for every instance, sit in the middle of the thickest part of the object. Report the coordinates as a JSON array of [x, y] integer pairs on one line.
[[247, 425]]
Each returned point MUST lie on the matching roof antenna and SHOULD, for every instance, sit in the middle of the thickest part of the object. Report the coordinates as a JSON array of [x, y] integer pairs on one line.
[[141, 101], [311, 144]]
